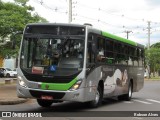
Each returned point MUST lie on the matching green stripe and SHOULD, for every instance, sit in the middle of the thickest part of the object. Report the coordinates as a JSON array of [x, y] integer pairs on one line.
[[119, 38], [58, 86]]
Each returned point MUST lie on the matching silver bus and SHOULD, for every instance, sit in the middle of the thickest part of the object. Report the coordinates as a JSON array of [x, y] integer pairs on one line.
[[69, 62]]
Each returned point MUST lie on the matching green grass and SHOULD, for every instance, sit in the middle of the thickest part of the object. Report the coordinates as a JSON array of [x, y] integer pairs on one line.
[[1, 83], [157, 78], [153, 78]]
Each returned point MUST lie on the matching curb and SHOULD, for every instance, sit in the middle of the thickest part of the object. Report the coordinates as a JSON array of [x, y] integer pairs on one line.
[[151, 79], [13, 101]]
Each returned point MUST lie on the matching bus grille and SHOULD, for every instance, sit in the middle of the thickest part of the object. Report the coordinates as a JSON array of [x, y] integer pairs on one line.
[[55, 95], [38, 78]]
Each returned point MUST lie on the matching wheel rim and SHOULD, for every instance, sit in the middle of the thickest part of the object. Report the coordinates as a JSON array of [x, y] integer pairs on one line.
[[97, 97], [130, 92], [8, 75]]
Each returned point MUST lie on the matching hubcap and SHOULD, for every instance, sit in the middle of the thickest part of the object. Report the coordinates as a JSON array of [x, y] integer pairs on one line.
[[130, 92], [97, 97]]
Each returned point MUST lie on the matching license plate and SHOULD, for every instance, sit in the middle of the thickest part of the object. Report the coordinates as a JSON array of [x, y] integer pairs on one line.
[[44, 97]]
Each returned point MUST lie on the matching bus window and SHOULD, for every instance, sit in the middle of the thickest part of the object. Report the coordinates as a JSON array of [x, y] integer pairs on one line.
[[140, 57], [101, 48], [90, 53], [130, 61], [109, 45], [135, 61]]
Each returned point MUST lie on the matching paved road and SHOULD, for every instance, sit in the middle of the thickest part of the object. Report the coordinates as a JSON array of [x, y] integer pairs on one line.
[[146, 100], [2, 80]]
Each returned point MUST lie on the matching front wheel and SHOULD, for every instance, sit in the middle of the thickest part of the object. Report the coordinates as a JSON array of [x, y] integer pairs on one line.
[[7, 75], [98, 98], [44, 103]]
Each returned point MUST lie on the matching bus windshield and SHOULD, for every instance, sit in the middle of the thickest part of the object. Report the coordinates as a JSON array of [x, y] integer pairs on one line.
[[45, 52]]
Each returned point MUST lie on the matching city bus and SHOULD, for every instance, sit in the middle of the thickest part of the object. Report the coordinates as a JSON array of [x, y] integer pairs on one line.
[[70, 62]]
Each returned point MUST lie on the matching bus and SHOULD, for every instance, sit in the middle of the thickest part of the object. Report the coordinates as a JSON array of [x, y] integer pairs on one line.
[[70, 62]]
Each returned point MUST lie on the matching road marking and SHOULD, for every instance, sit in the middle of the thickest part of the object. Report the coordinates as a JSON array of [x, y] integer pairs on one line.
[[128, 102], [151, 100], [138, 118], [142, 102]]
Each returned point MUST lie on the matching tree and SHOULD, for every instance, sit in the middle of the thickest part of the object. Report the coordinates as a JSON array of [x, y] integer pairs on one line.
[[14, 17], [153, 58], [156, 45], [22, 2]]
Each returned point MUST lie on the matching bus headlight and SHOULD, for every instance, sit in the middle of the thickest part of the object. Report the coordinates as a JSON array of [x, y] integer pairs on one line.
[[21, 82], [76, 85]]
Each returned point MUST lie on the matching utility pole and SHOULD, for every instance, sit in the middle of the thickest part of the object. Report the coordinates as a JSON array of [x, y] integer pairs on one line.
[[41, 2], [70, 11], [149, 32], [127, 33]]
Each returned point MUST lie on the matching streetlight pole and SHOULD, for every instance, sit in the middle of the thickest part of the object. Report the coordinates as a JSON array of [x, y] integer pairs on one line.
[[127, 33], [149, 32], [70, 11]]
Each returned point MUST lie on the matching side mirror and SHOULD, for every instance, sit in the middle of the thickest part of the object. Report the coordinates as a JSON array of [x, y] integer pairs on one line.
[[14, 38]]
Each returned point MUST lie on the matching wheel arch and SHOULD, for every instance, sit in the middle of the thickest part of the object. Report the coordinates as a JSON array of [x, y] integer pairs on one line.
[[101, 84], [131, 80]]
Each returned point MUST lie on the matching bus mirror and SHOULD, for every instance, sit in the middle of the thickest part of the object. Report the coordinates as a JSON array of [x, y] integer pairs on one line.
[[13, 44], [91, 38], [13, 38]]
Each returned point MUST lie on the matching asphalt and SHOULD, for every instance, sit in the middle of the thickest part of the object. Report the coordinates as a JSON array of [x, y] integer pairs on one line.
[[8, 95]]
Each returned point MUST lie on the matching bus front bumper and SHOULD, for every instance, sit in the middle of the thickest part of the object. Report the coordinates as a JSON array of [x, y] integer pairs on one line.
[[80, 95]]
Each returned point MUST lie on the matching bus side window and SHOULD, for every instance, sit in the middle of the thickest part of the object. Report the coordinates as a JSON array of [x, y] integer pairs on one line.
[[109, 51], [101, 49], [90, 53], [140, 57]]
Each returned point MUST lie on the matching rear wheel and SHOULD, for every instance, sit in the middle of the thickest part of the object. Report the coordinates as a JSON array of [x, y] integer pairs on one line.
[[127, 96], [44, 103], [98, 98]]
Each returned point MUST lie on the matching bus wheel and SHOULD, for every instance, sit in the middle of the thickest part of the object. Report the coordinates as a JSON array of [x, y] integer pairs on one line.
[[127, 96], [98, 99], [44, 103]]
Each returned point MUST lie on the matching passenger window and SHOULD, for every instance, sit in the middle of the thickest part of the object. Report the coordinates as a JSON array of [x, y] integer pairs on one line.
[[101, 49]]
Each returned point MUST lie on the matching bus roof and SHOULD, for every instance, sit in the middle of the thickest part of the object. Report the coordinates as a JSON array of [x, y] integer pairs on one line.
[[55, 24], [118, 38]]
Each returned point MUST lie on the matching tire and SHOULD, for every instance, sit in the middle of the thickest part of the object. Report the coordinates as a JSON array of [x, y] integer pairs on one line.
[[98, 99], [127, 96], [44, 103], [7, 75]]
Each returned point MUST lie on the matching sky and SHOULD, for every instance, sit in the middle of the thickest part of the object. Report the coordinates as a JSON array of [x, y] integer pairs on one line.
[[113, 16]]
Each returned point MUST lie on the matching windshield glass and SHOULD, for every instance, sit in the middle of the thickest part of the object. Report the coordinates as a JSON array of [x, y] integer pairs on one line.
[[64, 53], [8, 69]]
